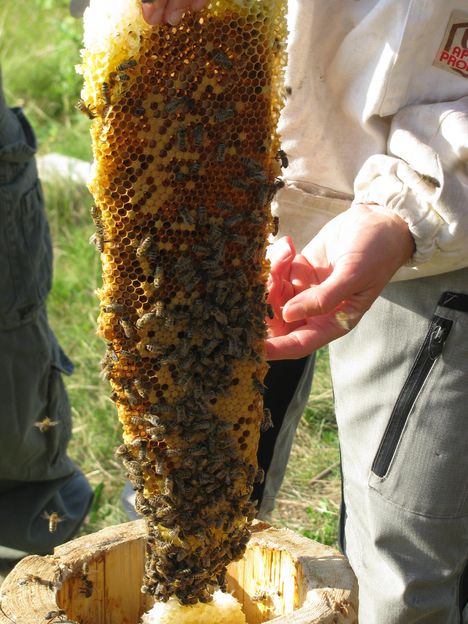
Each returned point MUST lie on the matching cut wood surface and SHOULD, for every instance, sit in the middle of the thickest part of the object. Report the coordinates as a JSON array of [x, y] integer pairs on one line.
[[283, 577]]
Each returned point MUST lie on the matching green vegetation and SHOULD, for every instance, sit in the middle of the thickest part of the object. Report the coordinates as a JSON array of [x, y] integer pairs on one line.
[[39, 48]]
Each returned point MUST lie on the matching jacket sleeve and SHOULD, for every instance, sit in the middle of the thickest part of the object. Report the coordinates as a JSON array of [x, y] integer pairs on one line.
[[424, 178]]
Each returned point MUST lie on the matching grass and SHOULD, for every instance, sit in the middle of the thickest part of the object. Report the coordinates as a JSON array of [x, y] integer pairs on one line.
[[39, 48], [38, 51]]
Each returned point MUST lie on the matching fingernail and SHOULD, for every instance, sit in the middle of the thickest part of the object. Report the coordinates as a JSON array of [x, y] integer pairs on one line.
[[175, 17], [294, 312]]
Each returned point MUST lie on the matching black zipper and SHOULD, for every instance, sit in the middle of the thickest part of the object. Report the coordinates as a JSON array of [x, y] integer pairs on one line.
[[428, 354]]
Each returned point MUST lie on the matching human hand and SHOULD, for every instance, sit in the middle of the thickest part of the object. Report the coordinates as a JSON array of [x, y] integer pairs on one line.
[[170, 11], [335, 280]]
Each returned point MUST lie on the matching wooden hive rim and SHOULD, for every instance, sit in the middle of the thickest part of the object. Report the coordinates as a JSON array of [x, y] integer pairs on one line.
[[30, 590]]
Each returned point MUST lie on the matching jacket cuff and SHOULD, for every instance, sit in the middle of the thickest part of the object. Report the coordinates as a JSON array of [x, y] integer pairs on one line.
[[391, 183]]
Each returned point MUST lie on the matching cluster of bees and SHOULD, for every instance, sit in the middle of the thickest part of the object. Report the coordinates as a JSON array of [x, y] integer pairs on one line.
[[187, 162]]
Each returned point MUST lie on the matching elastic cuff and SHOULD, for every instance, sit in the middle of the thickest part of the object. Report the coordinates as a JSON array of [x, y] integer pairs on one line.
[[391, 183]]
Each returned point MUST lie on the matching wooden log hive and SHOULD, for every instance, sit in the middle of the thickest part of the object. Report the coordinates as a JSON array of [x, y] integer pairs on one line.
[[96, 579]]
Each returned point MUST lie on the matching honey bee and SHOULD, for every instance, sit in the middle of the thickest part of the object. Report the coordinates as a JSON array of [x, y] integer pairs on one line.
[[212, 267], [182, 138], [144, 247], [198, 135], [133, 468], [184, 263], [97, 239], [220, 152], [186, 215], [53, 519], [219, 315], [275, 226], [154, 348], [180, 176], [130, 395], [281, 156], [158, 277], [260, 476], [220, 58], [124, 77], [87, 585], [279, 184], [267, 421], [126, 65], [146, 318], [223, 114], [96, 215], [45, 424], [142, 388], [81, 106], [180, 102], [240, 239], [195, 169], [114, 396], [128, 354], [260, 596], [259, 386], [243, 185], [141, 445], [201, 250], [251, 164], [57, 616], [33, 578], [190, 280], [241, 278], [123, 453], [153, 419], [128, 328], [114, 308], [160, 309], [216, 233], [157, 433], [233, 220], [105, 90]]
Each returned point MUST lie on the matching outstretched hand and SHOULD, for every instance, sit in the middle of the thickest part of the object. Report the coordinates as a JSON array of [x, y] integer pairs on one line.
[[322, 293], [169, 11]]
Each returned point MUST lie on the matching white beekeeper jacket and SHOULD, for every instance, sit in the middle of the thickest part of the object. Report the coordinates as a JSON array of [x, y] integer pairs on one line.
[[378, 109]]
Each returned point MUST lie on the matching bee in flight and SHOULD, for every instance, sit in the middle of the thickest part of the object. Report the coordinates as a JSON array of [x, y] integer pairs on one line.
[[53, 519]]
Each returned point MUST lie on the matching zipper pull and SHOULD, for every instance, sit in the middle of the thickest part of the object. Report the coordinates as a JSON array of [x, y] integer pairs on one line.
[[437, 340]]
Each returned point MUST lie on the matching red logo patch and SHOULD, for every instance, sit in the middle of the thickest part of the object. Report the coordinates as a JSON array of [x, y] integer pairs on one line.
[[453, 53]]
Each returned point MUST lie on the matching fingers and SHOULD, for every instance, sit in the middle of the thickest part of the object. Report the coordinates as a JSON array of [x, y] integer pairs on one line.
[[169, 11], [175, 11], [302, 274], [153, 11], [309, 337], [281, 251], [280, 254], [321, 298]]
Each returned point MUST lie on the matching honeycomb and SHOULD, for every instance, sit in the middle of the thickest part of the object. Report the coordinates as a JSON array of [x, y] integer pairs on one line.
[[187, 161]]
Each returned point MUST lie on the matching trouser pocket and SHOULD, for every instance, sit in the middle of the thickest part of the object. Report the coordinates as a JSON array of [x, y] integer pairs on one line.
[[422, 461], [35, 417]]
